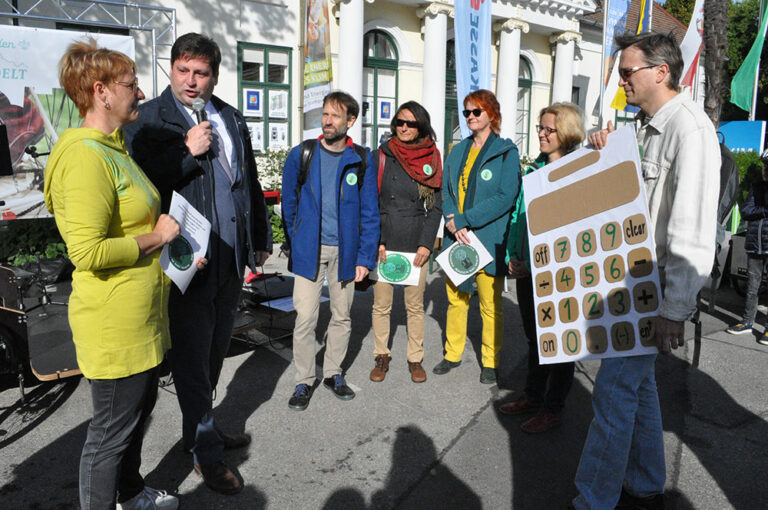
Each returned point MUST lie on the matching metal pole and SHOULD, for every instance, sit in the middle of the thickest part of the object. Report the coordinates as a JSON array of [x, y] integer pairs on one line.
[[753, 110], [602, 66], [154, 64]]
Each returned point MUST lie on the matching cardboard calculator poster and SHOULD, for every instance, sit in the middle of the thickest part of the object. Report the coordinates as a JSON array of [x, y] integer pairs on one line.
[[593, 259]]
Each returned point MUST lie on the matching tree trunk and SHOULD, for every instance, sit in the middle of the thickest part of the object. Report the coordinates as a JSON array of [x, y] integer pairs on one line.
[[715, 55]]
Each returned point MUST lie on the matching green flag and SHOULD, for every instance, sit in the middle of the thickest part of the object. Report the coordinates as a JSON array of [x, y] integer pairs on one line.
[[744, 79]]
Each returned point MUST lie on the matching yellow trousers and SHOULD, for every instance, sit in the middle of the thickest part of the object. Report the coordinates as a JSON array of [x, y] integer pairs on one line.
[[489, 292]]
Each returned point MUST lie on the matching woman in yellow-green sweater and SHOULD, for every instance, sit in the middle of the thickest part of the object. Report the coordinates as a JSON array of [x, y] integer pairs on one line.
[[108, 214]]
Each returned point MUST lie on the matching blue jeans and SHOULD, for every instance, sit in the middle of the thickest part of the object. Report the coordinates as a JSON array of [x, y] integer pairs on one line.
[[625, 443]]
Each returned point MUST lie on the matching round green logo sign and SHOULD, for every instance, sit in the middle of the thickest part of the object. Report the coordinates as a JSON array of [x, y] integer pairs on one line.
[[352, 179], [486, 175], [427, 170], [463, 259], [180, 253], [396, 269]]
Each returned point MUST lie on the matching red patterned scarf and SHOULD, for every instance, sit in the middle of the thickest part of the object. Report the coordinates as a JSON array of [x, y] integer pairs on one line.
[[421, 160]]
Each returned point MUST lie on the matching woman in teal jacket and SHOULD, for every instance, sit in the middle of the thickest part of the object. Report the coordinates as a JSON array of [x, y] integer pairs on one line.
[[560, 132], [480, 182]]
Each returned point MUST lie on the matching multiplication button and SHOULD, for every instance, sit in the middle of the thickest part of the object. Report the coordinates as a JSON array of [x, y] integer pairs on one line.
[[545, 313]]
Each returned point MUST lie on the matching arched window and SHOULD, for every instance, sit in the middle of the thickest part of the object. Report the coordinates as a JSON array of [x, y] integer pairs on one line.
[[380, 62], [523, 120]]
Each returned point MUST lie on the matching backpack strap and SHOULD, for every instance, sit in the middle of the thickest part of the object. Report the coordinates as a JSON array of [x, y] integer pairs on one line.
[[362, 152], [382, 163]]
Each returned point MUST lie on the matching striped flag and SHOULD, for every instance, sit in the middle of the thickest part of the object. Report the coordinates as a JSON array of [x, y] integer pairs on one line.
[[643, 25], [691, 45]]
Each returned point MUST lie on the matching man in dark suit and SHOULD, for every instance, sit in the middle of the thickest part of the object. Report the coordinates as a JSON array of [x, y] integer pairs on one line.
[[210, 164]]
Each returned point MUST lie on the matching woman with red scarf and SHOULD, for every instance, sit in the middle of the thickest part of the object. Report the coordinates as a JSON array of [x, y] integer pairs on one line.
[[410, 174]]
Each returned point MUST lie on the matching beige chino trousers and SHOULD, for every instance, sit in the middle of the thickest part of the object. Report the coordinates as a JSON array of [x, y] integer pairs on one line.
[[383, 294], [306, 300]]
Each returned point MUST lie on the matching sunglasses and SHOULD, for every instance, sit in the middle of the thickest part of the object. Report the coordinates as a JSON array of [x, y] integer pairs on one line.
[[626, 73], [476, 112], [413, 124]]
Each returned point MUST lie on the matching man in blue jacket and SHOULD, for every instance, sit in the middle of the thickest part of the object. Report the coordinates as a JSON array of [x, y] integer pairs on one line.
[[331, 215]]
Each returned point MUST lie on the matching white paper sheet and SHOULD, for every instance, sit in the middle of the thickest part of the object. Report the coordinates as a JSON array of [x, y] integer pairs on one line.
[[461, 261], [179, 256], [397, 270]]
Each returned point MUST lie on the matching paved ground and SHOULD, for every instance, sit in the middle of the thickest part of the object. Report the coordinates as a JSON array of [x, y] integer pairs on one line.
[[437, 445]]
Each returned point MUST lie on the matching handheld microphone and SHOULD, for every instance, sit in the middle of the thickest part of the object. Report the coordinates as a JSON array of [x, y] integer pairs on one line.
[[198, 106]]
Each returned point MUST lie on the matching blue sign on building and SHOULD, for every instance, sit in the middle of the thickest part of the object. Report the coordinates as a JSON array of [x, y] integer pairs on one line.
[[743, 135]]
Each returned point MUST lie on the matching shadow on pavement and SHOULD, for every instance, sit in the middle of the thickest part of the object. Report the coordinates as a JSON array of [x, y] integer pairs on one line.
[[252, 384], [414, 461]]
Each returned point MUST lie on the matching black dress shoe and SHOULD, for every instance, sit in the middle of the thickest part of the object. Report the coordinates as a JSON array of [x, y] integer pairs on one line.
[[629, 502], [233, 441], [339, 388], [218, 477], [300, 398]]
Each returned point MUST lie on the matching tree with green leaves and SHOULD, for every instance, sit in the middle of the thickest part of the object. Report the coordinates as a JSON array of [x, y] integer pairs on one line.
[[680, 9]]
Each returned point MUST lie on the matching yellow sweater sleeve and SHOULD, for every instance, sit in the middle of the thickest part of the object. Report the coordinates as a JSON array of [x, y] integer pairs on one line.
[[84, 205]]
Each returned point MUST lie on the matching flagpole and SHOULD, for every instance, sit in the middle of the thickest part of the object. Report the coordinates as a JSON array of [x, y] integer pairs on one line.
[[753, 110], [602, 65]]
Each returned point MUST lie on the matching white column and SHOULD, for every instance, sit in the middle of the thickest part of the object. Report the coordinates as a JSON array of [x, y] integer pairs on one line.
[[562, 81], [350, 77], [433, 83], [508, 73]]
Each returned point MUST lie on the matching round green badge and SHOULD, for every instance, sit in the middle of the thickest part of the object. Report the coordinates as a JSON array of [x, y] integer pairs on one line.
[[352, 179], [395, 269], [180, 253], [463, 259], [427, 169], [486, 175]]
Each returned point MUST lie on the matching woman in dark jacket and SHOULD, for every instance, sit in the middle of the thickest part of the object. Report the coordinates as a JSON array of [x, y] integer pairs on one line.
[[410, 206], [755, 210]]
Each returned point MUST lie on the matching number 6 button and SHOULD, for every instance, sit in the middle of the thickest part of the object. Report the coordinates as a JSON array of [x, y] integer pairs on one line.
[[614, 268]]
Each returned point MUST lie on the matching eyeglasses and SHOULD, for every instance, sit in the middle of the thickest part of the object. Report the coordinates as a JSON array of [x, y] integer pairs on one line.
[[476, 112], [547, 130], [133, 85], [626, 74], [413, 124]]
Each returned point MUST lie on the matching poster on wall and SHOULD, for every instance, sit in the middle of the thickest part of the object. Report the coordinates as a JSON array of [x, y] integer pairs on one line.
[[593, 258], [278, 104], [35, 109], [385, 111], [317, 64], [253, 102], [257, 135], [278, 136]]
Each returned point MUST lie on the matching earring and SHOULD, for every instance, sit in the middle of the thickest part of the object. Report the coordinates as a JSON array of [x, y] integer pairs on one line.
[[106, 104]]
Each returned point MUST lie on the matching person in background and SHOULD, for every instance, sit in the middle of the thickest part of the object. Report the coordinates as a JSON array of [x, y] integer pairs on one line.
[[108, 214], [410, 200], [561, 130], [755, 211], [480, 182]]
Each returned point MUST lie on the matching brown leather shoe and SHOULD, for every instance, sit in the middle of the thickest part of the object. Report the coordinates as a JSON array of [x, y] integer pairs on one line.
[[542, 422], [520, 406], [379, 372], [233, 441], [417, 372], [218, 477]]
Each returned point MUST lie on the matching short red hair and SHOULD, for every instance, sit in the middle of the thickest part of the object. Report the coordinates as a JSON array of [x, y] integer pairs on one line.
[[486, 100]]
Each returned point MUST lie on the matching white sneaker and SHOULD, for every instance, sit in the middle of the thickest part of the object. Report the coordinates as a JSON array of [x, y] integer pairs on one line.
[[150, 499]]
